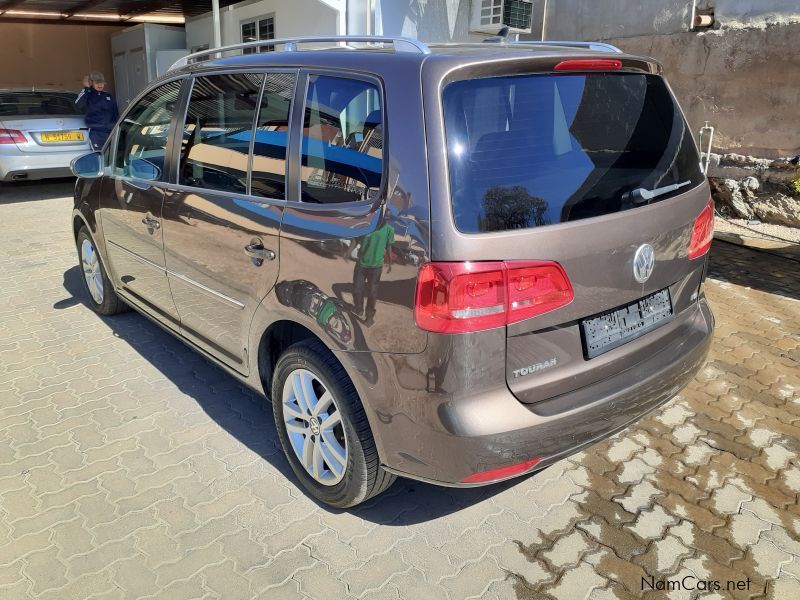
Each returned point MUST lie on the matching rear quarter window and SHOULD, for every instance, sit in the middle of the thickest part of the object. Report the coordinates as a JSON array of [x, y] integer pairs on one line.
[[533, 150]]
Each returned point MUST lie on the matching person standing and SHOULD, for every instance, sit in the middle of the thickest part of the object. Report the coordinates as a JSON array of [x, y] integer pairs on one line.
[[100, 108], [374, 251]]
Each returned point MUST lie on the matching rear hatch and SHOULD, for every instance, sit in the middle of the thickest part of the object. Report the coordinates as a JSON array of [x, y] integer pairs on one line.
[[46, 121], [591, 170]]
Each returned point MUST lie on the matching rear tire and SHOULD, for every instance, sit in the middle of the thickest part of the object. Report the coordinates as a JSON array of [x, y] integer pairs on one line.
[[99, 290], [337, 464]]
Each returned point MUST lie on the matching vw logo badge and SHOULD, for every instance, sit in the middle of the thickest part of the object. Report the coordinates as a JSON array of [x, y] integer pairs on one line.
[[644, 261]]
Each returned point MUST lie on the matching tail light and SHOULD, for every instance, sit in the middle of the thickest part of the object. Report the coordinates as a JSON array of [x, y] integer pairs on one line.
[[589, 64], [11, 136], [502, 472], [459, 297], [702, 232]]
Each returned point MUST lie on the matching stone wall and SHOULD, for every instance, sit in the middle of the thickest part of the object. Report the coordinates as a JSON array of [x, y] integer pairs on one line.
[[746, 83]]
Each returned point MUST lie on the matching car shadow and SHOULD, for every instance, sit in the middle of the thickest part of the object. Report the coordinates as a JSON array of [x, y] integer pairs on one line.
[[34, 191], [248, 417], [768, 271]]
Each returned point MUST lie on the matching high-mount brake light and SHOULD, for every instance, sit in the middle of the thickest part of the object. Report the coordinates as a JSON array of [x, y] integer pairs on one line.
[[702, 231], [589, 64], [460, 297]]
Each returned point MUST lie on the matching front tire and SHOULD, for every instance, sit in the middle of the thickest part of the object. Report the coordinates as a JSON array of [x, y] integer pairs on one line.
[[102, 297], [323, 428]]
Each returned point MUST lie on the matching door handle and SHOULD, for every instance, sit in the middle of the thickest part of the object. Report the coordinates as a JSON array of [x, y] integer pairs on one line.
[[151, 223], [257, 251]]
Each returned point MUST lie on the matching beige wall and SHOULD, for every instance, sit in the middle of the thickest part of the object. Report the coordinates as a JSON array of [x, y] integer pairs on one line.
[[54, 55], [745, 82]]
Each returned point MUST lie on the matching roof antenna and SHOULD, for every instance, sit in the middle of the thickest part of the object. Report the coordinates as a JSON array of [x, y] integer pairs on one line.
[[500, 38]]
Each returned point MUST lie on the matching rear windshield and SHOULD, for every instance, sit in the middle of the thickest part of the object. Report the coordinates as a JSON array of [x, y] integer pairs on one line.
[[532, 150], [37, 104]]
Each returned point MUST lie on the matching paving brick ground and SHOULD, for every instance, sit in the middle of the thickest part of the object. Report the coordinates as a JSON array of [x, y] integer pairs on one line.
[[130, 467]]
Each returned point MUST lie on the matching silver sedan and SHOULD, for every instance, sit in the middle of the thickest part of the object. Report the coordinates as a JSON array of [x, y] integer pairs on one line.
[[41, 131]]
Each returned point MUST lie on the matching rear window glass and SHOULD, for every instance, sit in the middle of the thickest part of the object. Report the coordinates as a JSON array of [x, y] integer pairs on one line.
[[37, 104], [533, 150]]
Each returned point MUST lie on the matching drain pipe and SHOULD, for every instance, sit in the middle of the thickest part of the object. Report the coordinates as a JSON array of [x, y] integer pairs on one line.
[[705, 157], [216, 23], [544, 18]]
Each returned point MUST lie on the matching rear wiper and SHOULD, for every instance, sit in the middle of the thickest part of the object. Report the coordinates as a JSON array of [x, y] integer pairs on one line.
[[640, 195]]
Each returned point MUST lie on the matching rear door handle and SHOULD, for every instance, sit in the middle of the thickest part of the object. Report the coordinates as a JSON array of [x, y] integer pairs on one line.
[[150, 222], [257, 252]]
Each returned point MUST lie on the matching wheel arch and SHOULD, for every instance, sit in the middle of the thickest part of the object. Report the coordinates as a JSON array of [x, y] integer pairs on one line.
[[78, 221], [278, 336]]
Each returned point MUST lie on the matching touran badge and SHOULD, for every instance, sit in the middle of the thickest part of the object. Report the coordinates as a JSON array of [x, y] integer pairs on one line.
[[643, 263]]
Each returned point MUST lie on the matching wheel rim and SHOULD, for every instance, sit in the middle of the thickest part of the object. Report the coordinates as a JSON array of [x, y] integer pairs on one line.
[[92, 272], [314, 427]]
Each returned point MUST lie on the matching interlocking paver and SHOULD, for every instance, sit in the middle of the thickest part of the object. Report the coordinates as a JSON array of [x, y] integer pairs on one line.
[[130, 467]]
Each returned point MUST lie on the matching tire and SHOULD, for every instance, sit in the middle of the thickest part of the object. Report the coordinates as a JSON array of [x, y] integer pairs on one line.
[[309, 364], [99, 290]]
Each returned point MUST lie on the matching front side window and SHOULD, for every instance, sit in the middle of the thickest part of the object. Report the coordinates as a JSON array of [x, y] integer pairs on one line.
[[268, 178], [342, 153], [217, 132], [144, 132]]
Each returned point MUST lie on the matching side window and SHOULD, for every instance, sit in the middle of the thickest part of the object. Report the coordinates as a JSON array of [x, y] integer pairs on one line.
[[268, 179], [142, 139], [342, 140], [217, 132]]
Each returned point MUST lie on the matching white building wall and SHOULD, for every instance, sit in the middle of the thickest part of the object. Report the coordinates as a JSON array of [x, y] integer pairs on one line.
[[295, 18], [427, 20]]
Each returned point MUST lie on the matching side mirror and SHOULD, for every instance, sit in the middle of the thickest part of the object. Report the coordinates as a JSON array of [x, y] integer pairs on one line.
[[144, 169], [88, 166]]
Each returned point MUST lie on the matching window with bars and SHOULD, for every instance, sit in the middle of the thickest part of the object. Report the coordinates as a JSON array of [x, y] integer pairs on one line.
[[259, 29]]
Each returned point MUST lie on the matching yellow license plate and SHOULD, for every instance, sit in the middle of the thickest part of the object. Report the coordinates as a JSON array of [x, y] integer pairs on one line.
[[63, 136]]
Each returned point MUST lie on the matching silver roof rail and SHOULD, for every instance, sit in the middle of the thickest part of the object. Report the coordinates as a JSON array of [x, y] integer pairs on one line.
[[598, 46], [401, 44]]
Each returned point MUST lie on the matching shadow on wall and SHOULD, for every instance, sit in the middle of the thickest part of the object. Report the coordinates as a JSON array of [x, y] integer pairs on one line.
[[441, 21], [248, 417]]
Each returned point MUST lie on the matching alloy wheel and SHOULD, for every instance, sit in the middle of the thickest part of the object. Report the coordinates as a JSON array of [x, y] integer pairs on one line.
[[92, 272], [314, 427]]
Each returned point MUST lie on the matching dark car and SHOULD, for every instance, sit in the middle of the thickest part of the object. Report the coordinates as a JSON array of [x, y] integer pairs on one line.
[[457, 263]]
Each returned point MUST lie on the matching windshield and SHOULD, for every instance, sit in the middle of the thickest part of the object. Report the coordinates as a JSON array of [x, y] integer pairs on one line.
[[533, 150], [37, 104]]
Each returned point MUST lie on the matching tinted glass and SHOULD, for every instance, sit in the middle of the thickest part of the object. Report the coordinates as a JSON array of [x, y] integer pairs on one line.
[[217, 132], [144, 131], [527, 151], [269, 151], [342, 140], [37, 104]]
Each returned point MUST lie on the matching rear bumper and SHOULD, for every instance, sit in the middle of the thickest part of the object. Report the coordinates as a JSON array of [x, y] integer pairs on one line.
[[444, 439], [16, 165]]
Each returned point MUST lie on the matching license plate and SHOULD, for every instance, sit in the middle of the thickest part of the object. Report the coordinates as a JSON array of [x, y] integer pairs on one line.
[[62, 136], [612, 329]]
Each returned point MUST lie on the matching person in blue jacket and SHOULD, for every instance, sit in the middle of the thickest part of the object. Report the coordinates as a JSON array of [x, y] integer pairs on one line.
[[100, 108]]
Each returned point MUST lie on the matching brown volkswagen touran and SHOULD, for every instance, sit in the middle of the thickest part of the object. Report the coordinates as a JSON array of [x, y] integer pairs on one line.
[[456, 263]]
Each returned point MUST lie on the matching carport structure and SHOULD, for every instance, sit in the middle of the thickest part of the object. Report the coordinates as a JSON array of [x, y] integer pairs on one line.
[[159, 11]]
